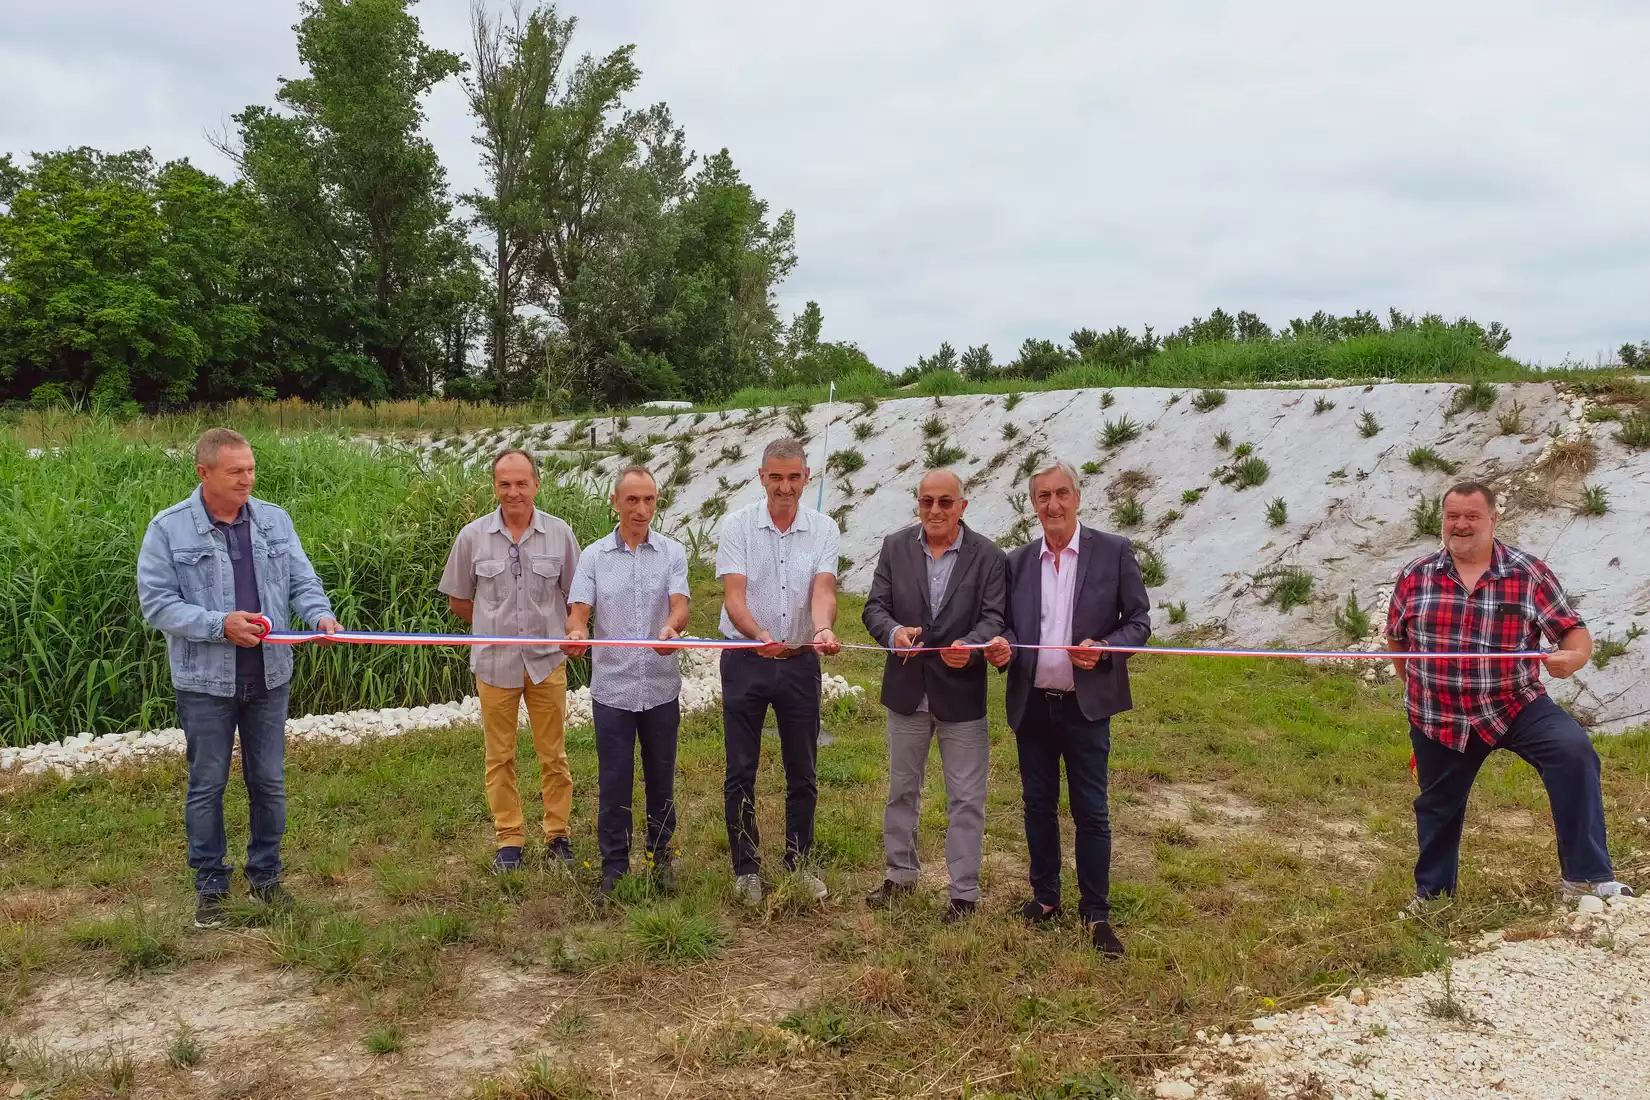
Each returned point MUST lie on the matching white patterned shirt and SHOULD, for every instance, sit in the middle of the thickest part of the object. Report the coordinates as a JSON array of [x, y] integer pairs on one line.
[[778, 567], [630, 592]]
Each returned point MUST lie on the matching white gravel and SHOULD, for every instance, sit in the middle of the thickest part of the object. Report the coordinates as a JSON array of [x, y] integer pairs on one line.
[[1563, 1017], [701, 687]]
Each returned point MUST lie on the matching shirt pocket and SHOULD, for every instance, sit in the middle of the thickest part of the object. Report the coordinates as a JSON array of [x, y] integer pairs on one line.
[[197, 572], [274, 564], [544, 576], [491, 581]]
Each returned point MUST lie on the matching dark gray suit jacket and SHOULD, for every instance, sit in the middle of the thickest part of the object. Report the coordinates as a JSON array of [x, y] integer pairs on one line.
[[971, 610], [1110, 605]]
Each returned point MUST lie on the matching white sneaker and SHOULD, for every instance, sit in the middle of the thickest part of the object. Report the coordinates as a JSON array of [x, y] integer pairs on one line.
[[749, 888], [1611, 889], [814, 885]]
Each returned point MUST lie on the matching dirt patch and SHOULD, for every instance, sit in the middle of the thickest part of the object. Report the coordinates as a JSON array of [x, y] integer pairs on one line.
[[217, 1003]]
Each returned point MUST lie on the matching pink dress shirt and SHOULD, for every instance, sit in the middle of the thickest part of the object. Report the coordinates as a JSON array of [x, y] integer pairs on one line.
[[1059, 594]]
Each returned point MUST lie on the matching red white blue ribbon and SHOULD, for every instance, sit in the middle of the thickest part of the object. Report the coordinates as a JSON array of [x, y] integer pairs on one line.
[[370, 637]]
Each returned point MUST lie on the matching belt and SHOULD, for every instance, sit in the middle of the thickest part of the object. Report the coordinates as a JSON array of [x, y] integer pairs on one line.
[[788, 652], [1054, 696]]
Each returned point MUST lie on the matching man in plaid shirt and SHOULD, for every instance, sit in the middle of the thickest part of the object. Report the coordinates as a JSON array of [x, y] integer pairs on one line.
[[1477, 594]]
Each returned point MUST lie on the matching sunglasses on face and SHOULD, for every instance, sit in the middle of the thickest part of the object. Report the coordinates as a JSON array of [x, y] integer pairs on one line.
[[928, 504]]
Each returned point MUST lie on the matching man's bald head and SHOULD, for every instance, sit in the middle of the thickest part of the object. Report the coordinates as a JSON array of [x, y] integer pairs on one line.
[[936, 482], [940, 505]]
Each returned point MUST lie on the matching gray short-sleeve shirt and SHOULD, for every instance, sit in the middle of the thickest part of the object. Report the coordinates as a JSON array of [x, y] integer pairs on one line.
[[778, 567], [520, 591]]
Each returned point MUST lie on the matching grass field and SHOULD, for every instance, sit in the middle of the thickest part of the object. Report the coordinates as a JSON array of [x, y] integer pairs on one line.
[[1263, 844]]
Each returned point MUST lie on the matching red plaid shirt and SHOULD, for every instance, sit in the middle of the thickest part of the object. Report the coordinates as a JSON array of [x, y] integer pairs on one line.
[[1516, 601]]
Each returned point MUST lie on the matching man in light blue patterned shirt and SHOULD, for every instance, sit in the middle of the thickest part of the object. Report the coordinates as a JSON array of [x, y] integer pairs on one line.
[[635, 580]]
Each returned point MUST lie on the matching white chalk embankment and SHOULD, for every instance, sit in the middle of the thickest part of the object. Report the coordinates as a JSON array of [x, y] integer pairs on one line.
[[1339, 457]]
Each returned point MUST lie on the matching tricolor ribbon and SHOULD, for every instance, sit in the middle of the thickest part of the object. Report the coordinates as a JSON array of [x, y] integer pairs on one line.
[[371, 637]]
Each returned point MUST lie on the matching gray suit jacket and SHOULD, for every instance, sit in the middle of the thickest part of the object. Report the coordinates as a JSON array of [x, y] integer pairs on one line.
[[1110, 605], [972, 609]]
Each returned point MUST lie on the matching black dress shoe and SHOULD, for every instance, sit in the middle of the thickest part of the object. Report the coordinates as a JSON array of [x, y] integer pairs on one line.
[[1105, 940], [955, 910], [884, 895], [1034, 912]]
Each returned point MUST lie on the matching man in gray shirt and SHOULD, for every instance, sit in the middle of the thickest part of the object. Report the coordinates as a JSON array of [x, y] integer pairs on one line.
[[635, 580], [508, 576], [940, 586]]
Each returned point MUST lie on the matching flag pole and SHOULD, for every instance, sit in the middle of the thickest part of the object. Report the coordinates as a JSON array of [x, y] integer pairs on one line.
[[825, 449]]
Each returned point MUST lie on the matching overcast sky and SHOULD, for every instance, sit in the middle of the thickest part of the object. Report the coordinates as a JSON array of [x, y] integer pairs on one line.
[[980, 172]]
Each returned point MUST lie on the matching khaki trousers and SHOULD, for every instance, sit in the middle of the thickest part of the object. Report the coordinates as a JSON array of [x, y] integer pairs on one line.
[[546, 714]]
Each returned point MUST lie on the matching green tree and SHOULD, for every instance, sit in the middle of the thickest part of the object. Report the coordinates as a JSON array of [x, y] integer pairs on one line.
[[976, 364], [120, 284], [364, 269]]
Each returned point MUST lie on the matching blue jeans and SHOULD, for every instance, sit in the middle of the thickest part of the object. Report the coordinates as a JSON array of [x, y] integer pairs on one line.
[[1054, 729], [1559, 750], [617, 734], [209, 725]]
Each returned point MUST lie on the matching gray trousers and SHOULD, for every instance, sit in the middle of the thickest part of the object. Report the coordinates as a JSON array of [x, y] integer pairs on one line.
[[965, 756]]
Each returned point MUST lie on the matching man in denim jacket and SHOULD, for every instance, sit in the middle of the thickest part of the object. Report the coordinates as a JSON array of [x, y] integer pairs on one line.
[[209, 566]]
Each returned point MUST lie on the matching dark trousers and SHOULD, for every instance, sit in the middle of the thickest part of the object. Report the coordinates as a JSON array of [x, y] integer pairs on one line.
[[1559, 750], [750, 685], [209, 725], [1054, 729], [617, 734]]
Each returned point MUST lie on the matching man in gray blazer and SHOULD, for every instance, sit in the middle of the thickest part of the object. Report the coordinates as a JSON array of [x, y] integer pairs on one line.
[[1073, 587], [938, 586]]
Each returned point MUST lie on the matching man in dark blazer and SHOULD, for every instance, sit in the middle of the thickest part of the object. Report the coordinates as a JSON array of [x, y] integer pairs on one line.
[[938, 586], [1082, 588]]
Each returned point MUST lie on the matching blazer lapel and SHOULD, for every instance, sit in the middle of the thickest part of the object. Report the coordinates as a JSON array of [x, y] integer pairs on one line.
[[918, 551], [1033, 635], [1085, 557], [966, 550]]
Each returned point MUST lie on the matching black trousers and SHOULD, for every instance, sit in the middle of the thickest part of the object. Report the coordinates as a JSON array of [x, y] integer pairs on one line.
[[750, 685], [617, 733], [1053, 730]]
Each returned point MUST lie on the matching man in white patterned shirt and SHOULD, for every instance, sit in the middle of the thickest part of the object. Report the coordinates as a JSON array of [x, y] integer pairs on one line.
[[635, 580], [777, 562]]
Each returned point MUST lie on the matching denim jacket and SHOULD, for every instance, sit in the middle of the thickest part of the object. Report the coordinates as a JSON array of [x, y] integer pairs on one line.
[[186, 587]]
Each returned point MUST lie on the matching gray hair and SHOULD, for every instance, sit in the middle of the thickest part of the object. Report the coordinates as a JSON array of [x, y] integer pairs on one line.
[[627, 471], [782, 448], [532, 462], [1472, 488], [214, 440], [1059, 467]]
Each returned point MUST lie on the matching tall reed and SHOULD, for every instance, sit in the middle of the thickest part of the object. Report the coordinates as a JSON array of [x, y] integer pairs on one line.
[[75, 654]]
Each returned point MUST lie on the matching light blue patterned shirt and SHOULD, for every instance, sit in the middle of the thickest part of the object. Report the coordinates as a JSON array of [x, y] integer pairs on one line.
[[629, 592]]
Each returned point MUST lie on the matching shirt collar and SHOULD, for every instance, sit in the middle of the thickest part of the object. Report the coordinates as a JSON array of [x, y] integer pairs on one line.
[[495, 522], [617, 541], [1500, 567], [1044, 552], [956, 543], [800, 523], [211, 520]]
